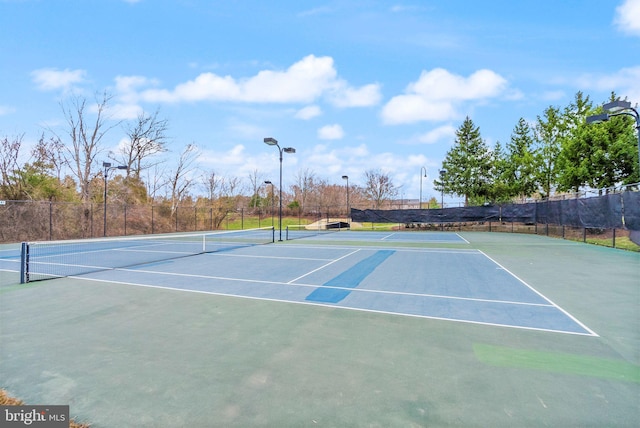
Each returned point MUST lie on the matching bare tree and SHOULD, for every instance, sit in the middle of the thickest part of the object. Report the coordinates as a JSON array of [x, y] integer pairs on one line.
[[180, 180], [86, 138], [213, 183], [147, 137], [10, 183], [379, 187], [305, 186], [48, 155], [256, 182], [155, 181], [231, 187]]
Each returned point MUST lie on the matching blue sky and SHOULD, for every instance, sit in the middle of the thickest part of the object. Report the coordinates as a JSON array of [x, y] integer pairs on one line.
[[352, 85]]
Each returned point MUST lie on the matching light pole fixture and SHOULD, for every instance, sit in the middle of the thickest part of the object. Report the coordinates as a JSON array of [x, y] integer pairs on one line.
[[269, 182], [442, 173], [618, 108], [107, 166], [273, 142], [346, 177], [423, 169]]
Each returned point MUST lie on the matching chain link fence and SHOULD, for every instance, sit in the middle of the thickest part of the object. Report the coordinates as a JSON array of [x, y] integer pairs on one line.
[[46, 221]]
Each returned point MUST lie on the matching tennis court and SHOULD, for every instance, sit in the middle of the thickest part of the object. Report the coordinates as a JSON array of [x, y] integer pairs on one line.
[[341, 329]]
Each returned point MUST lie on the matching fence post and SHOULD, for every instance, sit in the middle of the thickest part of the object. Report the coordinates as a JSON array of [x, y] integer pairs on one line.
[[614, 237], [50, 221]]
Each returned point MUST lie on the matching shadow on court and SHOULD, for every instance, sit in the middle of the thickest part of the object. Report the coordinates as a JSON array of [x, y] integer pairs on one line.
[[142, 356]]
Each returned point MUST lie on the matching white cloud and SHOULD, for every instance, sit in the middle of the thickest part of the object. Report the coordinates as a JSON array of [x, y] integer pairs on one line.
[[438, 134], [49, 79], [414, 108], [331, 132], [627, 18], [6, 110], [129, 84], [368, 95], [623, 82], [437, 93], [308, 112], [125, 111], [303, 82]]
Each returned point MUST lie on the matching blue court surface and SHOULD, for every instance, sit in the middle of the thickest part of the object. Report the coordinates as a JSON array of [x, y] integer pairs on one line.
[[459, 284], [376, 328]]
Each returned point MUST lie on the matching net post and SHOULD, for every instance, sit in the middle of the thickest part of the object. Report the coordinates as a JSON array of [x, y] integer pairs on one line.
[[24, 263]]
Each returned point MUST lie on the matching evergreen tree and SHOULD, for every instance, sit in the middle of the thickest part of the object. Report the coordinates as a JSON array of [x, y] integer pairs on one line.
[[499, 188], [549, 132], [598, 156], [574, 161], [467, 165], [521, 163]]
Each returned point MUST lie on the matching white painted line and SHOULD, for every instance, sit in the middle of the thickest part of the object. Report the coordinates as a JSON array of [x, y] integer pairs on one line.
[[265, 257], [340, 307], [593, 333], [323, 266], [461, 237]]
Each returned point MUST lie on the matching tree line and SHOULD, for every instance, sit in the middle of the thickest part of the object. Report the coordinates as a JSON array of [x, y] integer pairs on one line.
[[558, 153]]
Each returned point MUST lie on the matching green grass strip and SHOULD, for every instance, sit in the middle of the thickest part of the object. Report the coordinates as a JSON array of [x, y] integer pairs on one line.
[[557, 362]]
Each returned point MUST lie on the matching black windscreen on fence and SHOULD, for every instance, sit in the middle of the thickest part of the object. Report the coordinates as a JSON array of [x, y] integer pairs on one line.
[[620, 210]]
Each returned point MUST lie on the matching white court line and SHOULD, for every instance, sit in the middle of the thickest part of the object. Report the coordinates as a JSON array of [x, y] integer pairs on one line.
[[219, 254], [593, 333], [314, 286], [402, 314], [398, 249], [462, 237], [323, 266]]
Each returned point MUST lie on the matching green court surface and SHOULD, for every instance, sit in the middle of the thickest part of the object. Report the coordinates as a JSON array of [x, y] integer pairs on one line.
[[134, 349]]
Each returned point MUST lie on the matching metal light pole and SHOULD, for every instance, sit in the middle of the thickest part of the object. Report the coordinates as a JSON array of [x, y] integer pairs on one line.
[[618, 108], [346, 177], [269, 182], [442, 173], [421, 177], [107, 166], [273, 142]]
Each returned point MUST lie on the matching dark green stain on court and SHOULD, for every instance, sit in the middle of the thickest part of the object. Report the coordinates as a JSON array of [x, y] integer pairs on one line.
[[557, 362], [350, 278]]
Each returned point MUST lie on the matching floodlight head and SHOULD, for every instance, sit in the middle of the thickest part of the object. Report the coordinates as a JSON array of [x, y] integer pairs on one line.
[[597, 118], [616, 106], [443, 171], [289, 150], [106, 164], [267, 182], [345, 177], [270, 141]]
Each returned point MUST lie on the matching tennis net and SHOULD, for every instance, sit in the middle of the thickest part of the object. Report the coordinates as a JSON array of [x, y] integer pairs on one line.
[[54, 259]]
